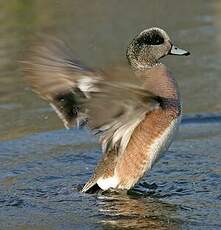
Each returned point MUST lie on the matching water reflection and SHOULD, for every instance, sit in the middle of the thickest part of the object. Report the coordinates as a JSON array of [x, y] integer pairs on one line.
[[133, 212]]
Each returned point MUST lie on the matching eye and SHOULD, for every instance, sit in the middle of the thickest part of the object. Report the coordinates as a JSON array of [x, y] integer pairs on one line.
[[157, 39], [153, 38]]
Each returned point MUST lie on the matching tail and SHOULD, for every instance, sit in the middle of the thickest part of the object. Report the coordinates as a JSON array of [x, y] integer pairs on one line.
[[91, 186]]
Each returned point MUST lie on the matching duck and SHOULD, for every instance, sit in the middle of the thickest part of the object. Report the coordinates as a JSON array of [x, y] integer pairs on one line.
[[135, 110]]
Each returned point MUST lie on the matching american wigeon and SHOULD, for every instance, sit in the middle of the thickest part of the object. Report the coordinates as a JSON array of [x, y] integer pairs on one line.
[[135, 111]]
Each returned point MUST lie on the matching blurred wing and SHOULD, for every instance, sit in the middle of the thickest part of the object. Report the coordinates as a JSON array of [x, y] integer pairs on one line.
[[112, 105]]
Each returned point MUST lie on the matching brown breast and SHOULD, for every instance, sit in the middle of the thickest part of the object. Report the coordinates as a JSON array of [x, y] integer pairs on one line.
[[132, 163]]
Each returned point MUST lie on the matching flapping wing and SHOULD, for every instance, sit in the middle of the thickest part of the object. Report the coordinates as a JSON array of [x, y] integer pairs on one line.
[[112, 104]]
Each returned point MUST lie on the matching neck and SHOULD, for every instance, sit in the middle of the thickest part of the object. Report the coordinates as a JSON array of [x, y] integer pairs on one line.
[[139, 66], [158, 80]]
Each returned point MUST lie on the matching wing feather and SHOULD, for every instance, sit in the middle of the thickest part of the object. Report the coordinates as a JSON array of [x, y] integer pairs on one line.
[[111, 104]]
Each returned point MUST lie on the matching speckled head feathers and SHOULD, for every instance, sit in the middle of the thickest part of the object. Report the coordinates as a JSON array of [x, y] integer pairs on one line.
[[149, 46]]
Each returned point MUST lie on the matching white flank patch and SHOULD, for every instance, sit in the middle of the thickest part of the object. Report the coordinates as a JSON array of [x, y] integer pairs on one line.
[[86, 85], [162, 143], [110, 182]]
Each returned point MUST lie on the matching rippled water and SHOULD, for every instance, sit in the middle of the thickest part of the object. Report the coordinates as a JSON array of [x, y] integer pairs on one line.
[[40, 174]]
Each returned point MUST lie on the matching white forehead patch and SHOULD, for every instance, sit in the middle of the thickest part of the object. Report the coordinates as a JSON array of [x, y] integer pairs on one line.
[[161, 31]]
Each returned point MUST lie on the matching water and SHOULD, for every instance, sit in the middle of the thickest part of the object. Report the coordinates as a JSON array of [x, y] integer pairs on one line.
[[43, 165], [40, 176]]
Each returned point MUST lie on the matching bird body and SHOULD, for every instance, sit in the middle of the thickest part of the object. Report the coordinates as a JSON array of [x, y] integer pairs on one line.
[[149, 140], [135, 112]]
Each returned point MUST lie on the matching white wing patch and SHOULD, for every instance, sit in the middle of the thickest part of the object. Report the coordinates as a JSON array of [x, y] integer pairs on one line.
[[60, 115], [86, 85], [121, 131]]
